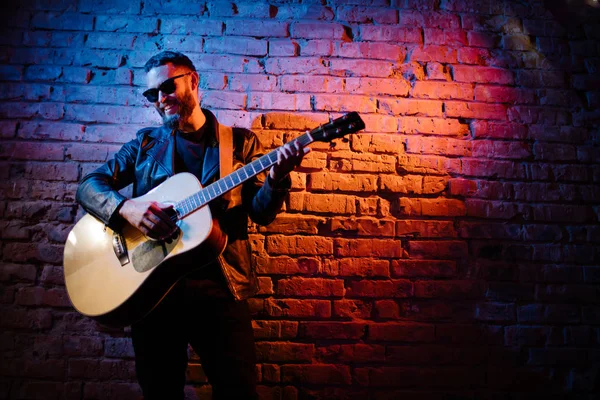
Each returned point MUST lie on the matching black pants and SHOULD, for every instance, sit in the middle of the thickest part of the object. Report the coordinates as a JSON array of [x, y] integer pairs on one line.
[[218, 329]]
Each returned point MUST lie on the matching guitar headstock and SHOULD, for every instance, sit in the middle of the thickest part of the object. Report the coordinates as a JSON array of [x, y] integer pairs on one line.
[[339, 127]]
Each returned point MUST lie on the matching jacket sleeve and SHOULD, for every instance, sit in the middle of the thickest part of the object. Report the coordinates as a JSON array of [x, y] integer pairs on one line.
[[262, 198], [98, 191]]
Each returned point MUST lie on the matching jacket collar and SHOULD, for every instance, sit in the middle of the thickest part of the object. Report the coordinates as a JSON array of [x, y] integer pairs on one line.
[[163, 148]]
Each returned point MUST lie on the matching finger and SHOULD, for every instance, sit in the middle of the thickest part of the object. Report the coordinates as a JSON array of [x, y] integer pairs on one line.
[[297, 148], [157, 225], [158, 210]]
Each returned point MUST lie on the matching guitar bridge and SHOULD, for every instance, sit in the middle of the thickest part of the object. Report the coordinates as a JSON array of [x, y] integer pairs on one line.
[[120, 248]]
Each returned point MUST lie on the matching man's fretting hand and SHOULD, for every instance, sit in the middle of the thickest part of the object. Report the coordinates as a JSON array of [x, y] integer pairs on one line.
[[289, 156], [149, 217]]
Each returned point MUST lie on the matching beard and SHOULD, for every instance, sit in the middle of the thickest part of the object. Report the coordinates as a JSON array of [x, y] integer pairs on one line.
[[185, 108]]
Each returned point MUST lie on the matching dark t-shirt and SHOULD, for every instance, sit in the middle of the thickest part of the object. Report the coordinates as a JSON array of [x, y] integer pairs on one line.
[[190, 147]]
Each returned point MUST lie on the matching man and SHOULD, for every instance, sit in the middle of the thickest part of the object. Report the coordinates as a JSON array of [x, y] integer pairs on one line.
[[207, 308]]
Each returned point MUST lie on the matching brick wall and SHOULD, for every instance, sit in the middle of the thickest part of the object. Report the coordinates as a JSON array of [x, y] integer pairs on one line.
[[450, 250]]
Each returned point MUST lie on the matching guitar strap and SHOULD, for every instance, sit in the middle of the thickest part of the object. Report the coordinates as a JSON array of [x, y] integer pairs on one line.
[[225, 139]]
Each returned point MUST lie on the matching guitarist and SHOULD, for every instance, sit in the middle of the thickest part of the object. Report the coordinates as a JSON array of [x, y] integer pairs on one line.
[[208, 308]]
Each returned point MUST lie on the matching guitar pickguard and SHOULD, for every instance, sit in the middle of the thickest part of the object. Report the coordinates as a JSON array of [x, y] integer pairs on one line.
[[151, 253]]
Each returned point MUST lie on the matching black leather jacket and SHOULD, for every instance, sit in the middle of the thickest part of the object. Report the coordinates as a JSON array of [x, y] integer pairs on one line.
[[149, 159]]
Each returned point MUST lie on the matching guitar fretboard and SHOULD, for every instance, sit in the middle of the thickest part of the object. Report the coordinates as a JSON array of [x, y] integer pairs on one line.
[[237, 177]]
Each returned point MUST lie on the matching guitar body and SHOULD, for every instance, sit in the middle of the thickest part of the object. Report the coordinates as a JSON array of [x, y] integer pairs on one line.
[[119, 277]]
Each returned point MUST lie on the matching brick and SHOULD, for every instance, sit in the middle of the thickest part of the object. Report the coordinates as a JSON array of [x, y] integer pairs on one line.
[[431, 207], [284, 352], [391, 34], [301, 65], [17, 272], [323, 203], [265, 286], [495, 94], [294, 224], [50, 111], [501, 150], [452, 38], [342, 182], [437, 249], [109, 7], [373, 51], [463, 73], [257, 28], [435, 126], [316, 48], [555, 356], [387, 309], [360, 68], [311, 84], [470, 334], [235, 45], [20, 318], [83, 346], [364, 267], [526, 335], [464, 289], [353, 309], [275, 329], [374, 86], [56, 130], [497, 168], [344, 103], [472, 55], [62, 21], [28, 252], [500, 130], [421, 108], [566, 293], [332, 330], [271, 373], [316, 374], [224, 100], [306, 30], [438, 145], [310, 287], [363, 226], [401, 332], [119, 348], [361, 162], [304, 11], [430, 19], [279, 101], [433, 53], [378, 15], [380, 288], [423, 268], [476, 110], [298, 308], [378, 143], [496, 312], [32, 369], [386, 248], [347, 353], [409, 184]]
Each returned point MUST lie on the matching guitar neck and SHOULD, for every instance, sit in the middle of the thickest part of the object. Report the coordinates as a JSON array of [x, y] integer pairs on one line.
[[236, 178]]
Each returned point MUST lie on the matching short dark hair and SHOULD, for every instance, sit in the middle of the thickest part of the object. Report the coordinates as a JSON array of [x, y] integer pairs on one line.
[[173, 57]]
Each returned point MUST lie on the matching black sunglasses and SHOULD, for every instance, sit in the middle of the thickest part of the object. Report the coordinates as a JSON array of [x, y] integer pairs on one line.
[[167, 87]]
